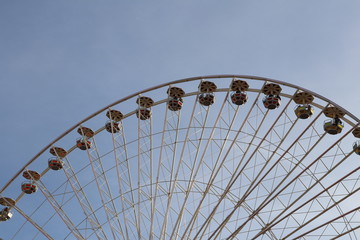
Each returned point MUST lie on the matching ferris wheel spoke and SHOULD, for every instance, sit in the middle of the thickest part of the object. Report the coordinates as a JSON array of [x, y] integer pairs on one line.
[[29, 219], [50, 198], [291, 168], [103, 186], [271, 130], [332, 197], [190, 166], [347, 232], [83, 200], [30, 216], [144, 175], [125, 179], [320, 214], [58, 208], [267, 200], [216, 171], [193, 174], [231, 197], [154, 209], [247, 120], [335, 201], [288, 173], [253, 184], [42, 226], [315, 200], [196, 130], [276, 220], [167, 156], [120, 156]]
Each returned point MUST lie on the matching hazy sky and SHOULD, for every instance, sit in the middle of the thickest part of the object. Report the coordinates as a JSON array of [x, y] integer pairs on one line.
[[60, 61]]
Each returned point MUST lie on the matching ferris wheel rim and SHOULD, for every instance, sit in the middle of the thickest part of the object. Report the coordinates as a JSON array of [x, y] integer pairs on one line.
[[258, 90], [251, 77]]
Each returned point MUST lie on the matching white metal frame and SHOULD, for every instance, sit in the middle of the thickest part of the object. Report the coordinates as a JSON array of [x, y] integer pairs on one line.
[[150, 207]]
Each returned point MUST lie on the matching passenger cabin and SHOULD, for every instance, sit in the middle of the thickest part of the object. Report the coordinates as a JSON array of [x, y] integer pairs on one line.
[[143, 113], [112, 127], [84, 131], [333, 126], [31, 175], [114, 115], [5, 214], [207, 89], [356, 147], [304, 111], [58, 152], [272, 101], [55, 164], [175, 104], [239, 98], [206, 99], [83, 144], [28, 187]]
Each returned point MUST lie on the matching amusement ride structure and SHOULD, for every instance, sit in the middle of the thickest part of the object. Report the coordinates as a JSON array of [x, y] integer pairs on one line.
[[211, 157]]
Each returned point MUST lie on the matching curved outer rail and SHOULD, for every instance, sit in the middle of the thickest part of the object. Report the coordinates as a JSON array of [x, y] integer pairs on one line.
[[163, 85]]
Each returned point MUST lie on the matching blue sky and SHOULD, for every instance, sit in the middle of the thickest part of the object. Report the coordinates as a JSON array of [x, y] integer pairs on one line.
[[60, 61]]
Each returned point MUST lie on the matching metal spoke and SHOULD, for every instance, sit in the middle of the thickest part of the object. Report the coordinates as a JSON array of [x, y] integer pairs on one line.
[[103, 188], [194, 172], [248, 191], [197, 111], [216, 171], [58, 208], [33, 223], [271, 199]]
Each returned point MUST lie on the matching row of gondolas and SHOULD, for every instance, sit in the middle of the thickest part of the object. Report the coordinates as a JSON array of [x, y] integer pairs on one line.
[[206, 97]]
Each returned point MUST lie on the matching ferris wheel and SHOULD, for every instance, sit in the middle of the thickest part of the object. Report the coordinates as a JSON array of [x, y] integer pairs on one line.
[[211, 157]]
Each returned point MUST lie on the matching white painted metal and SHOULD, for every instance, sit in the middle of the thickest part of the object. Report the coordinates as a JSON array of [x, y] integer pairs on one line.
[[204, 172]]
